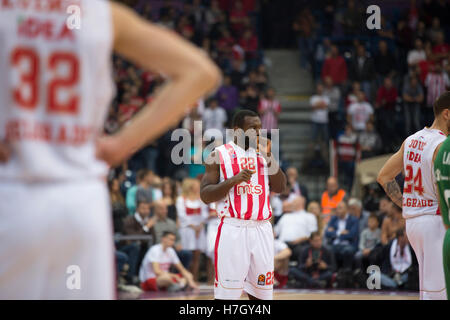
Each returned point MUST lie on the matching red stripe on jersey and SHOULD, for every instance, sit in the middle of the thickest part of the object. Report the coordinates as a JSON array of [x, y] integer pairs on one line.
[[261, 182], [224, 172], [191, 211], [438, 212], [216, 247], [235, 167]]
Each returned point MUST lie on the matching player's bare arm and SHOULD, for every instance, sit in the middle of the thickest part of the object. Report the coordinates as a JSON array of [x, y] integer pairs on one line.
[[277, 181], [387, 174], [190, 72], [210, 189]]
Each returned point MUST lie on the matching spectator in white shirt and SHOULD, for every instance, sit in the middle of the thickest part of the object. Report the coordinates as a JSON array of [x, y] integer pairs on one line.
[[281, 264], [155, 274], [359, 113], [214, 117], [417, 54], [320, 103], [296, 227]]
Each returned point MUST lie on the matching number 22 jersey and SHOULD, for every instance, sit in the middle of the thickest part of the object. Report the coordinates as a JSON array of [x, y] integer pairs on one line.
[[419, 190], [55, 87]]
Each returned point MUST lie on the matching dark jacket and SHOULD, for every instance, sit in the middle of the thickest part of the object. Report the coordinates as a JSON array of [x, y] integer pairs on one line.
[[352, 225], [324, 254], [132, 227], [386, 266], [365, 73]]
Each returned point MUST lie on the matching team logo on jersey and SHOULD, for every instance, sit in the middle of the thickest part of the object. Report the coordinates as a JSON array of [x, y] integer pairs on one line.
[[249, 189], [261, 280]]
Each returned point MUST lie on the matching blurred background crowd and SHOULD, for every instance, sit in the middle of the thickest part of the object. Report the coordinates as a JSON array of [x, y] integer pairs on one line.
[[372, 89]]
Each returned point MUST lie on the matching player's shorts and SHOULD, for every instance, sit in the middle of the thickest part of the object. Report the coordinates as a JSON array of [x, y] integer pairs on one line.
[[190, 242], [211, 235], [57, 241], [426, 236], [244, 259]]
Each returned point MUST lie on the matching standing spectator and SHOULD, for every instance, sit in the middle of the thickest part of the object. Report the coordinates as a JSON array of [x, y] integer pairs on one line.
[[228, 96], [359, 113], [292, 178], [369, 142], [437, 82], [334, 94], [164, 224], [296, 227], [331, 197], [369, 238], [315, 264], [320, 103], [131, 192], [281, 264], [351, 18], [347, 154], [249, 42], [238, 18], [417, 54], [362, 69], [251, 99], [323, 50], [393, 222], [352, 96], [269, 109], [384, 61], [192, 213], [305, 25], [314, 208], [154, 272], [119, 210], [236, 74], [335, 67], [441, 49], [398, 263], [342, 234], [412, 100], [355, 208], [146, 192], [385, 112], [214, 117]]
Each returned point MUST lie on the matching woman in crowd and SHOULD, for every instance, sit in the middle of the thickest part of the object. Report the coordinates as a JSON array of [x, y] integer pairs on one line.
[[169, 191]]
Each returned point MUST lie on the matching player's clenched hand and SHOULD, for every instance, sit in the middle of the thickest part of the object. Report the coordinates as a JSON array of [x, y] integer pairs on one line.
[[5, 152], [112, 150], [243, 176]]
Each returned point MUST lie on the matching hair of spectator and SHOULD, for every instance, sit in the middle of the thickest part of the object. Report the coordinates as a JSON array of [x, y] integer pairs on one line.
[[442, 103], [355, 202], [239, 117], [140, 175], [166, 233], [373, 215], [314, 234]]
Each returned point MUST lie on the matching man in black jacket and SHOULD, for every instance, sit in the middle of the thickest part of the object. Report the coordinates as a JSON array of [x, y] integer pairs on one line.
[[315, 264]]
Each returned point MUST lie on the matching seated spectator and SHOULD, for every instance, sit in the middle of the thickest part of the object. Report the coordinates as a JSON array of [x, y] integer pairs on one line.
[[384, 206], [362, 69], [348, 154], [369, 238], [369, 142], [331, 197], [139, 224], [154, 272], [131, 192], [314, 208], [315, 264], [334, 94], [319, 103], [342, 235], [169, 191], [359, 113], [192, 213], [335, 67], [296, 227], [385, 112], [398, 263], [281, 264], [355, 208], [296, 188], [269, 109], [146, 191], [412, 101], [393, 222], [119, 210], [164, 224]]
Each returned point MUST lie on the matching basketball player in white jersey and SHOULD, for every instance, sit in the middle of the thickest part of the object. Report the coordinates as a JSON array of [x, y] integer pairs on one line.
[[237, 178], [419, 200], [55, 89]]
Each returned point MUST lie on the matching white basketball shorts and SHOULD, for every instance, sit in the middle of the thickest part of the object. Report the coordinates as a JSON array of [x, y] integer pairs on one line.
[[426, 236], [57, 241], [244, 259]]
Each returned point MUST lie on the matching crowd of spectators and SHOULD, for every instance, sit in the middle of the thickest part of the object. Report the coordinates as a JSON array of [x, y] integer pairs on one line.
[[374, 87]]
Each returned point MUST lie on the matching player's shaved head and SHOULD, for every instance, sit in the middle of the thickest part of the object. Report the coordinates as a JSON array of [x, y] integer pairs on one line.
[[442, 103], [239, 118]]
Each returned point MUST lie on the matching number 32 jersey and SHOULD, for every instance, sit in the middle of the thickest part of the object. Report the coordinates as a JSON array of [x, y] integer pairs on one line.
[[55, 87], [419, 190]]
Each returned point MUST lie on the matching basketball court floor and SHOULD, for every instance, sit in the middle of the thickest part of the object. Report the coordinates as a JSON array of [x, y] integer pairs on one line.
[[206, 292]]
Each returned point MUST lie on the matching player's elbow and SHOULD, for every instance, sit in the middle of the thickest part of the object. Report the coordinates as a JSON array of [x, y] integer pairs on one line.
[[207, 74]]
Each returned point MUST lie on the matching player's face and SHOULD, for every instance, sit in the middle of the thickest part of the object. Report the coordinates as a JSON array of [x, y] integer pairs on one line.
[[316, 242], [251, 123]]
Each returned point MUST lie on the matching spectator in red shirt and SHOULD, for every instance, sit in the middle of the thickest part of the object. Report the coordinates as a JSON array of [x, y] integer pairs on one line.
[[335, 67], [441, 49], [249, 43], [385, 112], [348, 153], [238, 18]]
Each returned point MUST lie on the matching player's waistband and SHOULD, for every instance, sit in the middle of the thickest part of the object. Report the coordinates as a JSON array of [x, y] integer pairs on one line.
[[244, 223], [407, 217]]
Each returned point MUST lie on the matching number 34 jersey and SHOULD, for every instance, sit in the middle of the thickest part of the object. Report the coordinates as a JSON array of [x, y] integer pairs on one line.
[[55, 87], [419, 190]]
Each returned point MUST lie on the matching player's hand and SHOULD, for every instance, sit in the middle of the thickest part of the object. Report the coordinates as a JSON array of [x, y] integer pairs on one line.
[[5, 152], [309, 262], [243, 176], [112, 150], [264, 146]]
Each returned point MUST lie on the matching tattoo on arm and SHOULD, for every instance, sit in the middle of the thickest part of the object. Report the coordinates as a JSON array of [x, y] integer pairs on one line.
[[393, 191]]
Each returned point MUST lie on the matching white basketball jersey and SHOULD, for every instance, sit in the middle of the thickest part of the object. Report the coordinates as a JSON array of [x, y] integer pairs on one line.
[[55, 87], [247, 200], [419, 190]]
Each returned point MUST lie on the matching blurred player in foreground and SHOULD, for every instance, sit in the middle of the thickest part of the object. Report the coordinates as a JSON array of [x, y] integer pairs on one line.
[[55, 89], [239, 178], [419, 200], [442, 174]]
